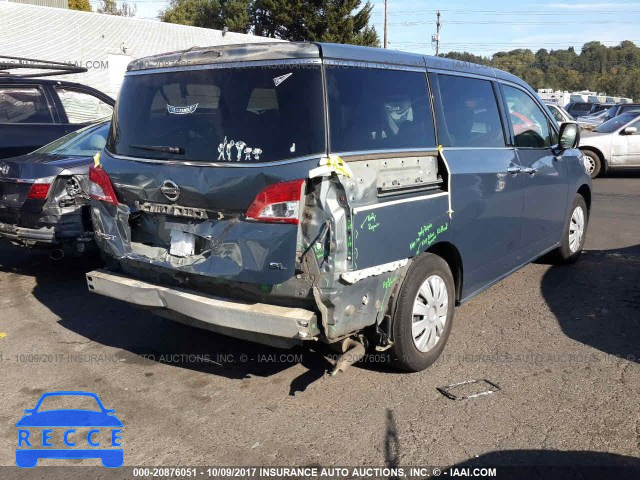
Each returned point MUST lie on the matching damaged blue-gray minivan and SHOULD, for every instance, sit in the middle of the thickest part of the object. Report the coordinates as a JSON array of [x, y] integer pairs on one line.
[[285, 193]]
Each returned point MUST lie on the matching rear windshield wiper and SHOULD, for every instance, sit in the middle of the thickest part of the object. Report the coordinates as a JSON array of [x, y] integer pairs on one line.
[[160, 148]]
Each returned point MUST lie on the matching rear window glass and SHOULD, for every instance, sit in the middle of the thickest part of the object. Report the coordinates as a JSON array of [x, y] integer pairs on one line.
[[377, 109], [23, 105], [85, 142], [471, 115], [258, 114]]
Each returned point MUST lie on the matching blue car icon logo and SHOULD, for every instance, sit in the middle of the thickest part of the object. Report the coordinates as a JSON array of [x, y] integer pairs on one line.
[[69, 433]]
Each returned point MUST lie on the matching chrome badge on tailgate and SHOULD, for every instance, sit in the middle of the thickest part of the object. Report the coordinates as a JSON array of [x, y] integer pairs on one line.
[[175, 210]]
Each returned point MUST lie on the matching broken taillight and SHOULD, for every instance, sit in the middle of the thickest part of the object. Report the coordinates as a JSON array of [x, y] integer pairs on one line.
[[100, 187], [279, 203], [39, 191]]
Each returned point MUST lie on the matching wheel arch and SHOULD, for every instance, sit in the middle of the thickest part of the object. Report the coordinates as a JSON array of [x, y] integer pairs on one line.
[[450, 254], [600, 155], [585, 191]]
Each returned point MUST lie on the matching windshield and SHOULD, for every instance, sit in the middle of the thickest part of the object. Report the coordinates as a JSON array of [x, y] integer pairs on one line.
[[257, 114], [85, 142], [616, 122]]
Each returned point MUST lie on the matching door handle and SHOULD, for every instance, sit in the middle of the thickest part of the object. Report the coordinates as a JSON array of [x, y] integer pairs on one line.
[[529, 170], [514, 170]]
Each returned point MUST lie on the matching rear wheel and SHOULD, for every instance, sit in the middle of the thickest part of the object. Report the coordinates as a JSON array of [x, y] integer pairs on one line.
[[424, 313], [575, 230], [594, 164]]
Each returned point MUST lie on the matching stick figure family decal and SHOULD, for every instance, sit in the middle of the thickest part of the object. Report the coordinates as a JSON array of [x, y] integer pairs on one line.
[[225, 151]]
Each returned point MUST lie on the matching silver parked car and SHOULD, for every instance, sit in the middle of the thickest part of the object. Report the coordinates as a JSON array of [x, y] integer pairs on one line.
[[614, 144]]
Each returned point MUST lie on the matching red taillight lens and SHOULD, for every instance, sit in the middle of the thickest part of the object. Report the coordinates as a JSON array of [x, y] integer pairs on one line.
[[100, 187], [279, 203], [39, 191]]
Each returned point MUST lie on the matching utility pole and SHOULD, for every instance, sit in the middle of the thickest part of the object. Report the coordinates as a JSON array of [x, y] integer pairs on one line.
[[385, 22], [438, 34]]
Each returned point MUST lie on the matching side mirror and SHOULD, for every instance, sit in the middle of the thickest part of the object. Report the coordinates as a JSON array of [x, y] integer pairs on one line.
[[28, 410], [569, 136], [630, 131]]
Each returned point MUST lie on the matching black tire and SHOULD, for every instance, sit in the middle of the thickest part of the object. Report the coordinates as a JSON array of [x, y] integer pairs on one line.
[[406, 354], [596, 161], [564, 253]]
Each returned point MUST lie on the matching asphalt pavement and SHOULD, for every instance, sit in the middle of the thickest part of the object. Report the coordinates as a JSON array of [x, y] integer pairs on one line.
[[561, 342]]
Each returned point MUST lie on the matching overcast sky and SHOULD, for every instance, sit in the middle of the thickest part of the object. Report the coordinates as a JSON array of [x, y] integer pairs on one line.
[[485, 27]]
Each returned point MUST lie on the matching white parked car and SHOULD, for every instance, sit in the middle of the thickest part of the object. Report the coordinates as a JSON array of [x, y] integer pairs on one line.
[[614, 144]]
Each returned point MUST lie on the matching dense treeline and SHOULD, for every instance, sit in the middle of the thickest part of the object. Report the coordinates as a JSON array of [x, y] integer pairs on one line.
[[610, 70]]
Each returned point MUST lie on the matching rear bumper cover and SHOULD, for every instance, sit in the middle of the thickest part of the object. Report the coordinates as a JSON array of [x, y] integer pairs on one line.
[[20, 234], [250, 320]]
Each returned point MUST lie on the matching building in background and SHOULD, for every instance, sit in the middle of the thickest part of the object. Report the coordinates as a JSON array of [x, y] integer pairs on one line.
[[104, 44], [44, 3]]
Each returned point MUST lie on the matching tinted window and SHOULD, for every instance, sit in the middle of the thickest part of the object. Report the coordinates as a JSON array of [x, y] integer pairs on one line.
[[376, 109], [82, 107], [530, 125], [235, 114], [471, 116], [23, 105], [86, 142]]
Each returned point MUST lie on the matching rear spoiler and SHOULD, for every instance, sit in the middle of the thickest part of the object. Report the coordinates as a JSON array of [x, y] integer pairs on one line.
[[48, 68]]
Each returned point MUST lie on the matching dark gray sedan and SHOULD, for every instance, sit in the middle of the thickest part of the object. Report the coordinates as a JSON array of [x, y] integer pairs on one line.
[[44, 198]]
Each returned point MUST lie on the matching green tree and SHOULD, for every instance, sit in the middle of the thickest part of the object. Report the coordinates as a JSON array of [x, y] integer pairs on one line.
[[82, 5], [110, 7], [233, 14], [339, 21], [611, 70]]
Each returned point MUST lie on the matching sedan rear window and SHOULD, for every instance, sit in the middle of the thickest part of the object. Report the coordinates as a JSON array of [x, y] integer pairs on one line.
[[258, 114]]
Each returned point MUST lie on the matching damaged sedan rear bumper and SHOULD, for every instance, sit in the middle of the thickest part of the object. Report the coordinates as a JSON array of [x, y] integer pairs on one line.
[[258, 322], [45, 235]]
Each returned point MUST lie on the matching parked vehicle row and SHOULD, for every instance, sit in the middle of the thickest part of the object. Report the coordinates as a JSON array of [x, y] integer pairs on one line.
[[581, 109]]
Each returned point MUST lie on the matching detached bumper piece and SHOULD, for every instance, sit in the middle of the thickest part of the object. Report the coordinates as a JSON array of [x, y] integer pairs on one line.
[[258, 322], [20, 234]]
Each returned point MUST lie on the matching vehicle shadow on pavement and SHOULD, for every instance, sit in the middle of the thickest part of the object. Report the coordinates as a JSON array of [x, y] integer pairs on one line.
[[597, 300], [145, 338], [552, 464]]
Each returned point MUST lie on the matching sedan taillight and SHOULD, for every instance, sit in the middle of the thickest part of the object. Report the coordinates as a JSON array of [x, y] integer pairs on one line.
[[100, 187], [39, 191]]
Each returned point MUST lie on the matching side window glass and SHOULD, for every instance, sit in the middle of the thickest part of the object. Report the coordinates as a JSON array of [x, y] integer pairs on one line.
[[529, 123], [470, 113], [23, 105], [635, 124], [556, 114], [82, 107], [376, 109]]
